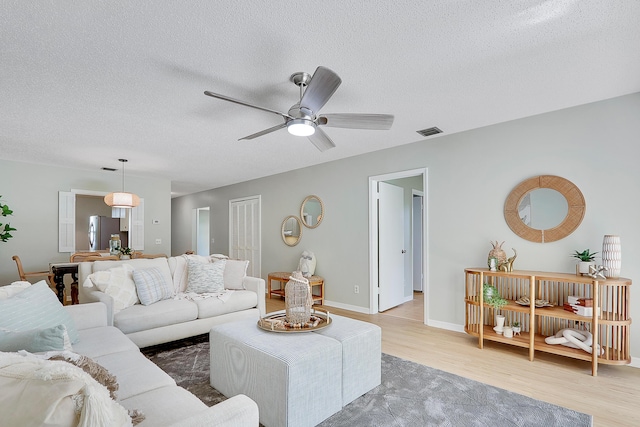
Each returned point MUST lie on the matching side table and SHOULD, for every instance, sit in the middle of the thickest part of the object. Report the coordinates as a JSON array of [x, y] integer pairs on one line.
[[283, 278], [59, 270]]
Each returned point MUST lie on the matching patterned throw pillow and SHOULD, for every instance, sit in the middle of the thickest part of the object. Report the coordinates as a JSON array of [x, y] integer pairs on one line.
[[36, 307], [151, 285], [205, 278], [118, 283]]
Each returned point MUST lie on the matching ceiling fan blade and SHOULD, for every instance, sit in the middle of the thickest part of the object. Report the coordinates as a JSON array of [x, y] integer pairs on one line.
[[321, 140], [322, 85], [246, 104], [264, 132], [357, 121]]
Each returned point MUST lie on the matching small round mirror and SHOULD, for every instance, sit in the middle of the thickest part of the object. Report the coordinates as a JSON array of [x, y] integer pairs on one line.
[[291, 230], [312, 211]]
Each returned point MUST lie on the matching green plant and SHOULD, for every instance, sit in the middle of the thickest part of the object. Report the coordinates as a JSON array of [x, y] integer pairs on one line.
[[585, 255], [492, 297], [515, 324], [5, 232], [125, 251]]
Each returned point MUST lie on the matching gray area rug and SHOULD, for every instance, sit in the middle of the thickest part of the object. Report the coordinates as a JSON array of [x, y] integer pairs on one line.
[[410, 395]]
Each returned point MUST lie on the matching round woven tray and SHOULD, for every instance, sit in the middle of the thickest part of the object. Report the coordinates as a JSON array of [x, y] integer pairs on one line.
[[277, 322]]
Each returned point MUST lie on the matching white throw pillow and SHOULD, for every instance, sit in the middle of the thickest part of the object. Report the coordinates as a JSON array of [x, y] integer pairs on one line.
[[118, 283], [234, 272], [151, 285], [204, 278]]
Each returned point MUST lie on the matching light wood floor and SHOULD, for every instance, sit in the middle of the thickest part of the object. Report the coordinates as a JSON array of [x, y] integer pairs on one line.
[[613, 397]]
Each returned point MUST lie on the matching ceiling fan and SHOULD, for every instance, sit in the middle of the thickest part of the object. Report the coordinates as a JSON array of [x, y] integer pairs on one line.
[[303, 118]]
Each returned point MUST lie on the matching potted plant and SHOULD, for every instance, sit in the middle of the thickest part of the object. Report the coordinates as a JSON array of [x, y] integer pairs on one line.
[[125, 253], [492, 297], [516, 327], [586, 258], [5, 232]]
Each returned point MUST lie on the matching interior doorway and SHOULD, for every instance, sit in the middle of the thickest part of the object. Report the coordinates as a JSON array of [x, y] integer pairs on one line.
[[414, 183], [202, 231]]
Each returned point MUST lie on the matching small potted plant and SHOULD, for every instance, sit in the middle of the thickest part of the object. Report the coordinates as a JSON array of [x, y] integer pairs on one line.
[[586, 258], [492, 297], [516, 327], [125, 253]]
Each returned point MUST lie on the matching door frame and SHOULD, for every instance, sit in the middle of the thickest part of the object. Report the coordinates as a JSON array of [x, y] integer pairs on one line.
[[373, 235]]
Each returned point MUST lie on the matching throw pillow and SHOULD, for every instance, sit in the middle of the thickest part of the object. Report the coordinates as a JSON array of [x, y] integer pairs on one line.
[[151, 285], [118, 283], [234, 272], [10, 290], [203, 278], [36, 307], [36, 340]]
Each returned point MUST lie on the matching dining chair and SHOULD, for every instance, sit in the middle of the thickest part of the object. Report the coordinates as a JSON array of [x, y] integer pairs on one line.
[[138, 254], [24, 275], [80, 256]]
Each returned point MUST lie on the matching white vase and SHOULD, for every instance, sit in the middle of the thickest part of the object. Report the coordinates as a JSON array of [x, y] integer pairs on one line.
[[499, 322], [611, 255]]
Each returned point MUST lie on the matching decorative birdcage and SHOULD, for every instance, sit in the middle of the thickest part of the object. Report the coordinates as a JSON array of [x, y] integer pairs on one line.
[[298, 299]]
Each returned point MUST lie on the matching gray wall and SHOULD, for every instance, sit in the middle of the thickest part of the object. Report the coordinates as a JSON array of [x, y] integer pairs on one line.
[[469, 176], [31, 191]]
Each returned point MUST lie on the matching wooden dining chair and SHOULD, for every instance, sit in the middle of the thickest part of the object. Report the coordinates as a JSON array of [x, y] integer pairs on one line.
[[138, 254], [80, 256], [25, 276]]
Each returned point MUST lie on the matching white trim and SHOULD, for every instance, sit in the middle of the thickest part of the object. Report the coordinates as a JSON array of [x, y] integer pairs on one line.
[[445, 325], [349, 307], [373, 234], [635, 362]]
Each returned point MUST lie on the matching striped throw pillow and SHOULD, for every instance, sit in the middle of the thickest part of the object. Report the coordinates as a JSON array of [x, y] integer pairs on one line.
[[151, 285]]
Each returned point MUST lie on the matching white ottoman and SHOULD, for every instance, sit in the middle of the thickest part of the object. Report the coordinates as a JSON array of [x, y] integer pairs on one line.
[[361, 352], [295, 378]]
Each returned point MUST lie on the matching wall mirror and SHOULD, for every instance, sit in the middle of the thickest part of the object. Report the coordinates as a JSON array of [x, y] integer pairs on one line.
[[291, 230], [312, 211], [544, 208]]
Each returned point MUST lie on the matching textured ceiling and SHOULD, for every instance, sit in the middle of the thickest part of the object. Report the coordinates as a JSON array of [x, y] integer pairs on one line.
[[85, 83]]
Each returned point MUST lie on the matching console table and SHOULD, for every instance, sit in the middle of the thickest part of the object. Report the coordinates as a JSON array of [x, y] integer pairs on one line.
[[283, 278], [59, 270]]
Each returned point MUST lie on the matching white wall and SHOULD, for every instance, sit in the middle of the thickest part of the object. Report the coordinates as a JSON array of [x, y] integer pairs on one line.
[[470, 175], [31, 191]]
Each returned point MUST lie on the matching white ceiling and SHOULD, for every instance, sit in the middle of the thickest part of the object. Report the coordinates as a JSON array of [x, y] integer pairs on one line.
[[83, 83]]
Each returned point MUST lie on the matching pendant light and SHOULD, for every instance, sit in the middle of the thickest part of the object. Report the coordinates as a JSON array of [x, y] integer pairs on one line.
[[122, 199]]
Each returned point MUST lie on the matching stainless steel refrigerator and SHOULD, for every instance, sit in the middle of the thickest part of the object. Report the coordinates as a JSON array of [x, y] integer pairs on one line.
[[100, 230]]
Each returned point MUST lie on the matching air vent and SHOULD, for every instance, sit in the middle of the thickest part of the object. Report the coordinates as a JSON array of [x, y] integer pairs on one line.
[[429, 131], [109, 169]]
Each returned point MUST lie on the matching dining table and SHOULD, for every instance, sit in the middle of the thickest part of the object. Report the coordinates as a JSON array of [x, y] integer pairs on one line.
[[61, 269]]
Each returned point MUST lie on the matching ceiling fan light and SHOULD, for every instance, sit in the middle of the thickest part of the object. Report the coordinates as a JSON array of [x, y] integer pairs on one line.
[[122, 200], [301, 127]]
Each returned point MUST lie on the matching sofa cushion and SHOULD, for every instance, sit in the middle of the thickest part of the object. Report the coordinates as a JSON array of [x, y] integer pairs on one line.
[[180, 271], [118, 283], [167, 405], [135, 373], [204, 278], [237, 301], [162, 313], [36, 340], [234, 272], [96, 342], [151, 285], [36, 307]]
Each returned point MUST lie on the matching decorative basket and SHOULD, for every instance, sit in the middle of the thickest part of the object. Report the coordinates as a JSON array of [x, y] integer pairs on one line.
[[298, 299]]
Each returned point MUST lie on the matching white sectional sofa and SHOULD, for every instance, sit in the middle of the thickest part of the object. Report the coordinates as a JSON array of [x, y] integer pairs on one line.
[[175, 318], [144, 387]]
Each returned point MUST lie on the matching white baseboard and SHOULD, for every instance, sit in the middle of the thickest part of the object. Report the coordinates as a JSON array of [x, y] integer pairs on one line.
[[635, 362], [445, 325], [357, 309]]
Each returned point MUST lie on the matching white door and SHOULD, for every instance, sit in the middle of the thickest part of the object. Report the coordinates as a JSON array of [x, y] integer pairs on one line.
[[390, 246], [244, 232]]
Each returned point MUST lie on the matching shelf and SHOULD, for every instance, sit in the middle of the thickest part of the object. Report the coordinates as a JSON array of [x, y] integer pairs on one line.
[[610, 297]]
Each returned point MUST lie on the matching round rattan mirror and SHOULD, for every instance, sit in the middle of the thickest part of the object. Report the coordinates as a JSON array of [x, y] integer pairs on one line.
[[518, 208], [291, 230], [312, 211]]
